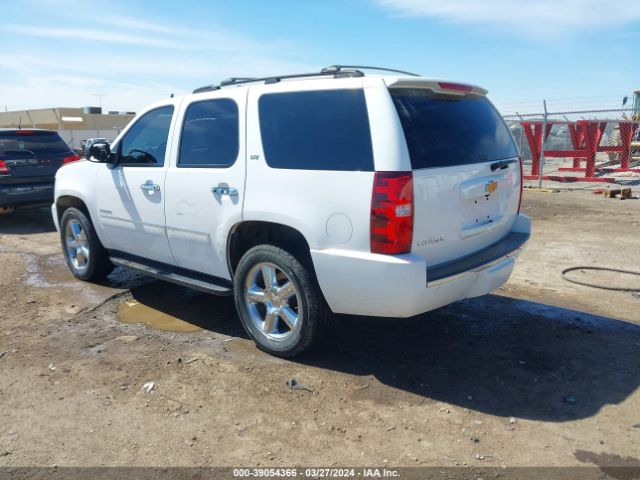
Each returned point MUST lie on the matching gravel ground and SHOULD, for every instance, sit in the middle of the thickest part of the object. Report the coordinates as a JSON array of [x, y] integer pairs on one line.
[[540, 373]]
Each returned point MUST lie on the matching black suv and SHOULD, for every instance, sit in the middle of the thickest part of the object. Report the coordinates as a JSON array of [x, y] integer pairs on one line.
[[29, 160]]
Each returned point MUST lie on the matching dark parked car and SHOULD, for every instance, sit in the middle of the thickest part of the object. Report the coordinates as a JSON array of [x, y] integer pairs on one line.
[[89, 142], [29, 160]]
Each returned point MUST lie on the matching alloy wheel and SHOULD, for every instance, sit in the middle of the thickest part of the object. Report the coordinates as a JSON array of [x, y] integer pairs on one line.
[[77, 245], [273, 301]]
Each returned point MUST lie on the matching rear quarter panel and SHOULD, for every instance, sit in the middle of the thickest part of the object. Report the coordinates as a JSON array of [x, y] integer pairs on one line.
[[330, 208]]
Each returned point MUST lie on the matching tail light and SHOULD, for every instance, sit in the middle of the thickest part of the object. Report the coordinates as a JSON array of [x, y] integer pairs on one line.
[[458, 87], [392, 213], [4, 170], [70, 158], [521, 184]]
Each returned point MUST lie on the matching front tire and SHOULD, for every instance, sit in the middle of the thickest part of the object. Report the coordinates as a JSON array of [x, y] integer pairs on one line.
[[278, 301], [85, 256]]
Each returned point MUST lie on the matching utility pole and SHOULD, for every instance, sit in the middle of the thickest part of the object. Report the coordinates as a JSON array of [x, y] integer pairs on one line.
[[99, 95]]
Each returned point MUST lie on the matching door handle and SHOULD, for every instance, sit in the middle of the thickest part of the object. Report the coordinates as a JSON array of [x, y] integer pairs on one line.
[[231, 192], [151, 187]]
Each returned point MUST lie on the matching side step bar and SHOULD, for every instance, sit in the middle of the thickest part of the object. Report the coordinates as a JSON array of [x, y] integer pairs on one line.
[[185, 278]]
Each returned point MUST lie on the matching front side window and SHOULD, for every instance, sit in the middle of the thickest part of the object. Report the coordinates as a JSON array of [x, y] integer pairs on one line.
[[210, 134], [146, 141], [316, 130]]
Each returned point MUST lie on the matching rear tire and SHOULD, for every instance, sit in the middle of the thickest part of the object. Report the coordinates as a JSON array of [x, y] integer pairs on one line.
[[279, 301], [85, 256]]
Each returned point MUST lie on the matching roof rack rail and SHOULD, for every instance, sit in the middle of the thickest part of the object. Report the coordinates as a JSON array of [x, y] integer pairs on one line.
[[206, 88], [234, 80], [339, 68], [337, 71]]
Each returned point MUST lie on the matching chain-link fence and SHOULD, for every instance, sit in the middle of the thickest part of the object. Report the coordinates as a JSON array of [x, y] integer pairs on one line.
[[579, 148]]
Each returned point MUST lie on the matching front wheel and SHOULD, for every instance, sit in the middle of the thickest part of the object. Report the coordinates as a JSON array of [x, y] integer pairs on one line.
[[278, 301], [86, 257]]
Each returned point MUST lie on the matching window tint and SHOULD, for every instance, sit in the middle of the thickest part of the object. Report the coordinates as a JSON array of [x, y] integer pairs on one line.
[[446, 130], [38, 142], [210, 134], [316, 130], [146, 141]]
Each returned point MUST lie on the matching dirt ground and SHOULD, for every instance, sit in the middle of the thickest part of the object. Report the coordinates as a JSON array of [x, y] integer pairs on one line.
[[540, 373]]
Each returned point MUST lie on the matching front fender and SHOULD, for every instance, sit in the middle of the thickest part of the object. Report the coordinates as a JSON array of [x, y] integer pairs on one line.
[[77, 180]]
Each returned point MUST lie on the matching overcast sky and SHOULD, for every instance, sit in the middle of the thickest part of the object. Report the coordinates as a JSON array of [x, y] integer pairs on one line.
[[575, 53]]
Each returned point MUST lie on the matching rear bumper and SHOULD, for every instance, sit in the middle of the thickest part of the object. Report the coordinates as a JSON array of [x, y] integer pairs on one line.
[[360, 283], [26, 194], [478, 261]]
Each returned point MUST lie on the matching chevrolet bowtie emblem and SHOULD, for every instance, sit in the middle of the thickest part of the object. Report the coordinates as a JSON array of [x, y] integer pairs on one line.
[[490, 187]]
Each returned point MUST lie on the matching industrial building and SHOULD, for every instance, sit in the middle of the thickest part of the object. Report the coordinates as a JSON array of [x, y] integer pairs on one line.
[[73, 124]]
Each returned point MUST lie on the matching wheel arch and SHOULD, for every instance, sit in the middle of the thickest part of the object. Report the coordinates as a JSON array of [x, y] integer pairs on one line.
[[247, 234], [69, 199], [64, 202]]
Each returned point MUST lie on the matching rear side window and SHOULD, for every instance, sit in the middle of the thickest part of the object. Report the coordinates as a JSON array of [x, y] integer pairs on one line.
[[32, 141], [316, 130], [447, 130], [210, 134]]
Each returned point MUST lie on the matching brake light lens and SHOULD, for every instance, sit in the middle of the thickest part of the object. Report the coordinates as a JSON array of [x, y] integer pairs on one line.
[[24, 132], [4, 170], [521, 184], [392, 213], [70, 158], [458, 87]]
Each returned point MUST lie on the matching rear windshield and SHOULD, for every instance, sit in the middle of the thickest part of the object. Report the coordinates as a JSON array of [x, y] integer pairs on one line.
[[316, 130], [447, 130], [39, 143]]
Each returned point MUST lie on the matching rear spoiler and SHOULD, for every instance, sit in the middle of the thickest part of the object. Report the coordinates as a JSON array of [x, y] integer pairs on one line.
[[438, 86]]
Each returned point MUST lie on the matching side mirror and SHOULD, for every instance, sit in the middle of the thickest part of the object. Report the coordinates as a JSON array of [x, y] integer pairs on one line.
[[101, 153]]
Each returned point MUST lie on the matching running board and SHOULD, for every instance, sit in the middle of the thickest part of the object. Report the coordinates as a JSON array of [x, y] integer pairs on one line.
[[179, 276]]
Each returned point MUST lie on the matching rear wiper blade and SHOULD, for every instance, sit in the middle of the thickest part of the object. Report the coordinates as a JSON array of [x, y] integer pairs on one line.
[[501, 164]]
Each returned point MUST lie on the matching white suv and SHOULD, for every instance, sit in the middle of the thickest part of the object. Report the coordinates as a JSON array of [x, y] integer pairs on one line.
[[303, 195]]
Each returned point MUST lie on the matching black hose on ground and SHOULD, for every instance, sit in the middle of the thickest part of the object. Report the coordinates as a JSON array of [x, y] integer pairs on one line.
[[604, 287]]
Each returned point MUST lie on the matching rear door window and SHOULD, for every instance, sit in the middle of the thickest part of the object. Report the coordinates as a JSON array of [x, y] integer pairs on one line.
[[316, 130], [27, 142], [447, 130]]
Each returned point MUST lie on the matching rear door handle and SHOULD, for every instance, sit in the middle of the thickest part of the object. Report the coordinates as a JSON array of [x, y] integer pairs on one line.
[[150, 186], [231, 192]]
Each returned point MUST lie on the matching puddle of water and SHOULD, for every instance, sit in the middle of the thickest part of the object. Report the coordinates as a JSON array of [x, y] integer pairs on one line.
[[133, 311], [174, 309], [51, 271], [47, 272]]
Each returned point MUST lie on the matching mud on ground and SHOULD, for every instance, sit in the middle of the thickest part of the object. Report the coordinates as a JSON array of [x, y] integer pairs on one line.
[[542, 372]]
